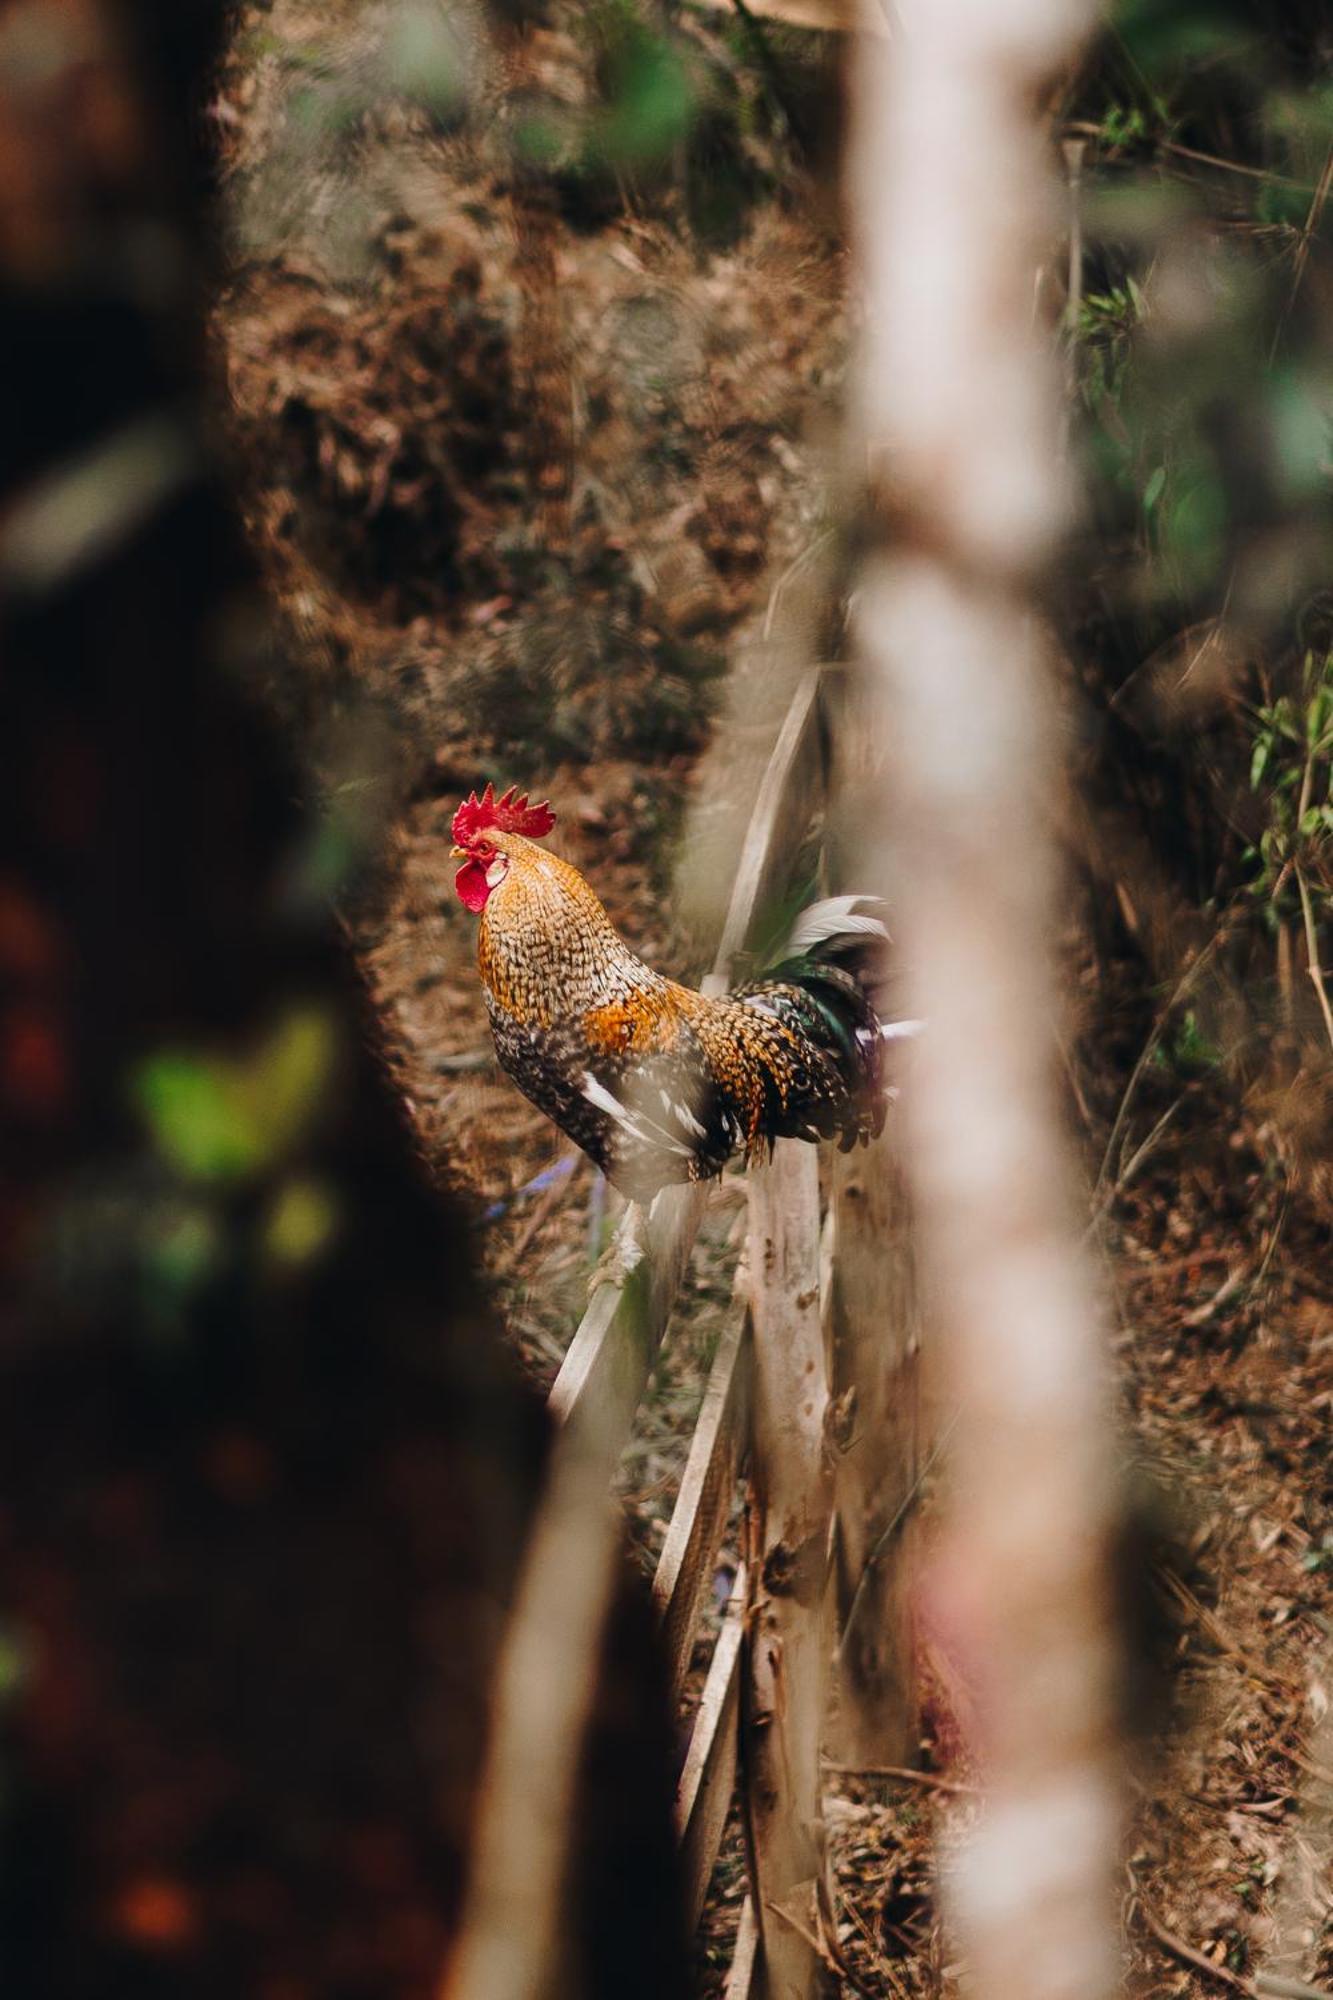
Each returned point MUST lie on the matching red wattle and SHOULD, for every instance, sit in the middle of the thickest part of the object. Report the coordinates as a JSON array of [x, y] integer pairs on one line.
[[472, 886]]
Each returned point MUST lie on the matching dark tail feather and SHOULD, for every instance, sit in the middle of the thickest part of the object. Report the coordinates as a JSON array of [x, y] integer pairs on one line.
[[824, 987], [828, 1004], [849, 933], [827, 1007]]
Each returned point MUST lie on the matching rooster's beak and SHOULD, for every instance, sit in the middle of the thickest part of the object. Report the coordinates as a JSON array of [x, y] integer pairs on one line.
[[458, 854]]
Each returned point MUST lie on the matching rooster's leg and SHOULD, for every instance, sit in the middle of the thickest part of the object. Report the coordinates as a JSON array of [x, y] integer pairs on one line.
[[624, 1253]]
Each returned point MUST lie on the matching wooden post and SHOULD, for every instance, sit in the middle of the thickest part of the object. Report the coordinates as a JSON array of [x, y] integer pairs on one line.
[[790, 1515], [874, 1340], [873, 1322]]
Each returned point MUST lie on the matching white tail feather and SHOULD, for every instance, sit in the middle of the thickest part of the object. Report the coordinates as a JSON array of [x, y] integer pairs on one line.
[[836, 917], [900, 1031]]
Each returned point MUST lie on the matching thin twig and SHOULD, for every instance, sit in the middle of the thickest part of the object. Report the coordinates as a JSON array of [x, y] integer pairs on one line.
[[1214, 1628], [930, 1781], [882, 1965], [1302, 256], [1264, 1985], [1274, 1234], [1235, 167], [1071, 1073], [1137, 1158], [823, 1950], [1087, 129], [1073, 150], [1141, 1152], [1313, 965], [1162, 1267], [1228, 1288], [1186, 1952], [1149, 1049]]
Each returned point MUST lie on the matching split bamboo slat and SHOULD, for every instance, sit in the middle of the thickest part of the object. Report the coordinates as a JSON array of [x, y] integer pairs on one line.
[[703, 1797], [606, 1367], [740, 1980], [707, 1489]]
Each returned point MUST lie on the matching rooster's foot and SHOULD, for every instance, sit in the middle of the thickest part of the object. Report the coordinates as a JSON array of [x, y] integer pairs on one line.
[[623, 1254]]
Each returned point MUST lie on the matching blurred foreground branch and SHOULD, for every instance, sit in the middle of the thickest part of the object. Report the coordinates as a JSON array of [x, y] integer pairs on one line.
[[269, 1474], [960, 409]]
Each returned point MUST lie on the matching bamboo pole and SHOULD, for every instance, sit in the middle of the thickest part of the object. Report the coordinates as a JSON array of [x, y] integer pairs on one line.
[[788, 1533], [958, 418]]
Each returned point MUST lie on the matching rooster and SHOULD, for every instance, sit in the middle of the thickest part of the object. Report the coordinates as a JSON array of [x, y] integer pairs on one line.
[[657, 1083]]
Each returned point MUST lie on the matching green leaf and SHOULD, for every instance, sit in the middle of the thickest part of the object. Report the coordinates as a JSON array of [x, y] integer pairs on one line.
[[189, 1106], [221, 1118], [301, 1222], [284, 1088]]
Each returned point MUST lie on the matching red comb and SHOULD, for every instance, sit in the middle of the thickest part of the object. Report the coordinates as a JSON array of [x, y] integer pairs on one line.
[[510, 813]]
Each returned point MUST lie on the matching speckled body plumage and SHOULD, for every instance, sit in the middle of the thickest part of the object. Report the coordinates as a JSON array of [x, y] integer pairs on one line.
[[658, 1083]]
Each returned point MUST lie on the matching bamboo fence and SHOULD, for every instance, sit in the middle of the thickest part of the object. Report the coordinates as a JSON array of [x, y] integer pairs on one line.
[[765, 1417]]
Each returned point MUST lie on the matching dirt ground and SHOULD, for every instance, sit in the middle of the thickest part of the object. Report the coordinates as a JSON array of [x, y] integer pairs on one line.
[[524, 484]]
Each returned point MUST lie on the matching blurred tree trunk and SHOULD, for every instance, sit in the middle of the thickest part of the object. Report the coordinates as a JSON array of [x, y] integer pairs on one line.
[[958, 422]]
